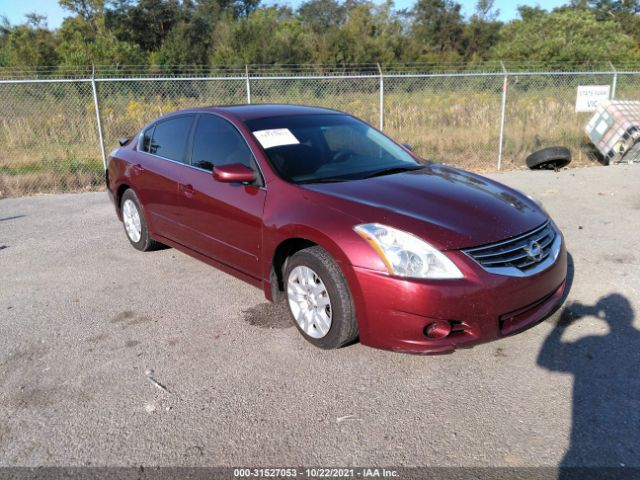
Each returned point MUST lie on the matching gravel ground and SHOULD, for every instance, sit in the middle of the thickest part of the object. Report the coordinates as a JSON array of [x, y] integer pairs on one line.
[[83, 316]]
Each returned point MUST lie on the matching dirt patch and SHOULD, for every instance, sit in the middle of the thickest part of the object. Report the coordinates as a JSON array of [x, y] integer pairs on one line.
[[499, 352], [42, 397], [623, 258], [123, 316], [138, 321], [97, 338], [33, 398], [20, 360], [5, 432], [268, 315], [129, 318], [194, 451]]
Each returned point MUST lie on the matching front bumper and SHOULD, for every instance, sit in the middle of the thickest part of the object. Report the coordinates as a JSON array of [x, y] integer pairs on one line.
[[393, 312]]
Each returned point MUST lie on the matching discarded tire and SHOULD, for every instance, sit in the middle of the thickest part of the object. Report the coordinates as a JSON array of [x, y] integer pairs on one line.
[[552, 158]]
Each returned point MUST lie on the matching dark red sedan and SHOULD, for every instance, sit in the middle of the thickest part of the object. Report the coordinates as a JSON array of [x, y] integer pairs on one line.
[[359, 236]]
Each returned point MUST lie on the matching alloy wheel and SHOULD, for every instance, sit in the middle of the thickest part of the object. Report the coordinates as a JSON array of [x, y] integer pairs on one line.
[[131, 218], [309, 301]]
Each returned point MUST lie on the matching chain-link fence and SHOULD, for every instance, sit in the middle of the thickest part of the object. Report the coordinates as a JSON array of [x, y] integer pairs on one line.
[[54, 130]]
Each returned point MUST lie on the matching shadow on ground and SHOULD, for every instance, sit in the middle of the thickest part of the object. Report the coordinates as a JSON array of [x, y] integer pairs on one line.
[[606, 389], [269, 315]]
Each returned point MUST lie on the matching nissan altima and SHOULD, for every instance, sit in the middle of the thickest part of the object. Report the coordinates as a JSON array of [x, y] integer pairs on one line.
[[360, 237]]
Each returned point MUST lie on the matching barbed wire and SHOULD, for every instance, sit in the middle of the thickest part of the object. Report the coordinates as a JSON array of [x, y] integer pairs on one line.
[[84, 72]]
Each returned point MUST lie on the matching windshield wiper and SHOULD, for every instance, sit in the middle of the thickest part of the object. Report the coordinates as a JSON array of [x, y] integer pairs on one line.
[[392, 170], [323, 180], [384, 171]]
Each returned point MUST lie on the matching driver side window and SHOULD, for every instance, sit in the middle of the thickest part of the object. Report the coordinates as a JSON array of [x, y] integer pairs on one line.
[[216, 142]]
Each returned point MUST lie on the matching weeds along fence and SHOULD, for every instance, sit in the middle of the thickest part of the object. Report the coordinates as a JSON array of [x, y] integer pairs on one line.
[[57, 127]]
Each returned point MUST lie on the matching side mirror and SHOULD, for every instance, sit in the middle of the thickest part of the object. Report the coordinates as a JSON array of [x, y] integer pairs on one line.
[[233, 173], [407, 146], [123, 141]]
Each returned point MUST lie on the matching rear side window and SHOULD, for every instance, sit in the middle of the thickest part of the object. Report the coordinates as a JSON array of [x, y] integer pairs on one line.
[[217, 142], [170, 138]]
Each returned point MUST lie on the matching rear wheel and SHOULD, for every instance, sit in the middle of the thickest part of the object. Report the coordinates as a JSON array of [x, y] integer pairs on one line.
[[135, 225], [319, 299]]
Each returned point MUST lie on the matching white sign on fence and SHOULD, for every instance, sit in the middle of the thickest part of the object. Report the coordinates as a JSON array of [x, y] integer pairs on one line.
[[590, 96]]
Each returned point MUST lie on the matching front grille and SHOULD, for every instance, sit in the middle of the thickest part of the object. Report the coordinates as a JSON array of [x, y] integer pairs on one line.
[[523, 252]]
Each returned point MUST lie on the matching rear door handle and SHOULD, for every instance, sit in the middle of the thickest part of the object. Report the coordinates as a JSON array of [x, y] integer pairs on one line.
[[187, 190], [138, 169]]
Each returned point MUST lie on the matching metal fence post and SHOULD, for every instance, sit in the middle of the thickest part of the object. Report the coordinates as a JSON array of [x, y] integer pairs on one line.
[[381, 98], [505, 86], [98, 119], [246, 69], [614, 83]]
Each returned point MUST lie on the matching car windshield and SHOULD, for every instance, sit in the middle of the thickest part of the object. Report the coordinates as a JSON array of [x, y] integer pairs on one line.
[[328, 148]]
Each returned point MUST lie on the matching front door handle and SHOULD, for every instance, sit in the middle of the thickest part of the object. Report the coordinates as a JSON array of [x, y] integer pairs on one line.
[[138, 169], [187, 190]]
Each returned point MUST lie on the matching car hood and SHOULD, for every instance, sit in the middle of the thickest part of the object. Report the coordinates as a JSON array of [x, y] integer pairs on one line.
[[450, 208]]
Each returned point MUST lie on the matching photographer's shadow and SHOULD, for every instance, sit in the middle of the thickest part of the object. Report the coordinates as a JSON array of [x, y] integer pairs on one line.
[[606, 389]]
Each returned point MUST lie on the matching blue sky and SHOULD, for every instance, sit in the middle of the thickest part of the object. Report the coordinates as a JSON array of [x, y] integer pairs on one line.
[[15, 10]]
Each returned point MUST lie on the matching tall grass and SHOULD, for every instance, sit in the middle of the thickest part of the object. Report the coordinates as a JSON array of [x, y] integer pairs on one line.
[[49, 140]]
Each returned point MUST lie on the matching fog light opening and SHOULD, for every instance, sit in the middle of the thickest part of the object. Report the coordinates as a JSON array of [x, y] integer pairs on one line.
[[438, 329]]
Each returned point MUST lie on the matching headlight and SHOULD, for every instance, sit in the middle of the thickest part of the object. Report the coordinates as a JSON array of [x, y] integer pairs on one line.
[[406, 255]]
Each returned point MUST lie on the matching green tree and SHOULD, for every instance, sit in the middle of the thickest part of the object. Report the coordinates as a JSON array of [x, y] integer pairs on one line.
[[528, 13], [571, 36], [481, 32], [101, 49], [609, 9], [91, 11], [27, 45], [437, 29], [187, 44], [624, 12], [372, 33], [146, 23], [203, 23], [199, 32], [85, 39], [244, 40], [322, 15]]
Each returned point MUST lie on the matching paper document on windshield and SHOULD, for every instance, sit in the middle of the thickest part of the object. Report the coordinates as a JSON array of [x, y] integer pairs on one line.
[[275, 137]]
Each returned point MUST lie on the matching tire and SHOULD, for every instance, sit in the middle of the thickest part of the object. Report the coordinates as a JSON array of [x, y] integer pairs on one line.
[[552, 158], [142, 241], [342, 329]]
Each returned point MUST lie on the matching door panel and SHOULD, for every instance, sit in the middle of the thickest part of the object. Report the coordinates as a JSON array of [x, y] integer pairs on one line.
[[161, 196], [158, 179], [224, 219]]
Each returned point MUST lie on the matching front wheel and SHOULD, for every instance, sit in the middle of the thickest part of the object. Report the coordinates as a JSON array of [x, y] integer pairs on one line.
[[319, 299]]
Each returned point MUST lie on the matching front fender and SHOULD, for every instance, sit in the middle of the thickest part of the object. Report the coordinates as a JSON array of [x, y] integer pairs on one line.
[[322, 224]]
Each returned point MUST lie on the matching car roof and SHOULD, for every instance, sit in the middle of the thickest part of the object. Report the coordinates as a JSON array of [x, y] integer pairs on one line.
[[255, 111]]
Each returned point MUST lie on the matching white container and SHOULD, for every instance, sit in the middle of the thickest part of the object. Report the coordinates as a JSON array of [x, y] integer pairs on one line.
[[615, 128]]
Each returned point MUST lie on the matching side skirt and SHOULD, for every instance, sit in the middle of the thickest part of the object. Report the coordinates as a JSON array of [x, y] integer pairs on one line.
[[256, 282]]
